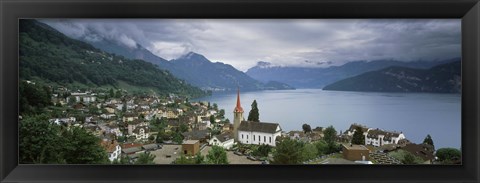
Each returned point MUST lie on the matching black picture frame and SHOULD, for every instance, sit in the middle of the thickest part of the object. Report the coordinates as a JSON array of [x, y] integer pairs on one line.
[[11, 11]]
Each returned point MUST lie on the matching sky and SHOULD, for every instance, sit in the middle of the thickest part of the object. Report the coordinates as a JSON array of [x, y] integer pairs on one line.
[[282, 42]]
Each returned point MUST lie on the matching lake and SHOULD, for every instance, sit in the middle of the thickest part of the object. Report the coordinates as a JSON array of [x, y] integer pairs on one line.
[[414, 114]]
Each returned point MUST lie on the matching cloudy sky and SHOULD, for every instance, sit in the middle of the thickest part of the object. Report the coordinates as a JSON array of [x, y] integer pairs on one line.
[[306, 43]]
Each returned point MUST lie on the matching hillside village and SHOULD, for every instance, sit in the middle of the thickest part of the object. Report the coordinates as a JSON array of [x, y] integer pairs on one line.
[[173, 130]]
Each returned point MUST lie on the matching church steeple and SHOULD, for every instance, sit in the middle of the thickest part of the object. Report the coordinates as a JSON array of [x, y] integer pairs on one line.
[[238, 108], [237, 116]]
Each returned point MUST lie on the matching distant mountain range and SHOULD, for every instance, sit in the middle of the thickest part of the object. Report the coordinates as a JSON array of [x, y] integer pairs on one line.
[[444, 78], [300, 77], [49, 56], [195, 69]]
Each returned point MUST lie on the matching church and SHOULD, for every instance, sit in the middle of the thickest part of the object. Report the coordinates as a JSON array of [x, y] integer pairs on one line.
[[251, 132]]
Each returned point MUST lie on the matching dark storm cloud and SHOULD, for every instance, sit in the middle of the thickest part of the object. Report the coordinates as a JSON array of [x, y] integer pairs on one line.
[[309, 43]]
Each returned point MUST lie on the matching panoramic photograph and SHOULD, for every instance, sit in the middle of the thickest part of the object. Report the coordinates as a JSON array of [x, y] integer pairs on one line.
[[240, 91]]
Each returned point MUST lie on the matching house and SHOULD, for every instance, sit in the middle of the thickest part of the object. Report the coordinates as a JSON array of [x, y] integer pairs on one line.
[[375, 137], [250, 132], [190, 147], [131, 148], [83, 97], [354, 152], [129, 117], [201, 135], [378, 137], [224, 140], [113, 149], [141, 132], [172, 114]]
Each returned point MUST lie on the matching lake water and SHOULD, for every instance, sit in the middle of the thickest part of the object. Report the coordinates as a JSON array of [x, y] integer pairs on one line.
[[414, 114]]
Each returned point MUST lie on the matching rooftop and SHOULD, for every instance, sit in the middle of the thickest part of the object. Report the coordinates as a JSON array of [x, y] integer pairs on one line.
[[355, 147], [190, 141]]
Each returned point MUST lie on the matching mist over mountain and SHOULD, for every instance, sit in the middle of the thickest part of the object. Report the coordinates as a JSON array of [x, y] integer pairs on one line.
[[194, 68], [49, 56], [303, 77]]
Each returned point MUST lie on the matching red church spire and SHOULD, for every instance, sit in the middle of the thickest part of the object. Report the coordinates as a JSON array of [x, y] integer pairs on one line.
[[238, 108]]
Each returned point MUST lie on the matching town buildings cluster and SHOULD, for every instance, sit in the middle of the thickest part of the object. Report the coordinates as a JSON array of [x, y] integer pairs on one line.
[[130, 125]]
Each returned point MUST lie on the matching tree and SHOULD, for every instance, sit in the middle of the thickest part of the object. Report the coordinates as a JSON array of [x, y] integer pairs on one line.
[[145, 158], [111, 93], [322, 147], [428, 140], [330, 135], [253, 115], [221, 113], [262, 150], [448, 155], [199, 159], [212, 119], [215, 106], [306, 128], [118, 94], [39, 141], [287, 152], [309, 151], [177, 138], [82, 147], [123, 160], [217, 155], [183, 128], [43, 142], [358, 137]]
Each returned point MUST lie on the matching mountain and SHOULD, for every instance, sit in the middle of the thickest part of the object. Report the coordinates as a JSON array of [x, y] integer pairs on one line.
[[301, 77], [197, 69], [444, 78], [49, 56], [193, 68]]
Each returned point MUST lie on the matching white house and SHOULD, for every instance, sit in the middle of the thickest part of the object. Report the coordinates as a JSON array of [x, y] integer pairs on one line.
[[113, 149], [378, 137], [141, 132], [250, 132], [224, 140]]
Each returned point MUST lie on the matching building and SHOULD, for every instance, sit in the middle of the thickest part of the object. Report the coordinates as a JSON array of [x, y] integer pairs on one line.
[[224, 140], [83, 97], [113, 149], [250, 132], [376, 137], [190, 147], [237, 117], [356, 152]]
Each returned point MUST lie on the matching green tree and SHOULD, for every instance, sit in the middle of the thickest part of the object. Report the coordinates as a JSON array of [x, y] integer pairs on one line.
[[183, 128], [145, 159], [448, 155], [215, 106], [262, 150], [177, 138], [39, 141], [221, 113], [358, 137], [212, 119], [111, 93], [428, 140], [123, 160], [287, 152], [306, 128], [82, 147], [253, 115], [406, 157], [330, 136], [118, 94], [217, 155], [309, 151], [199, 159], [322, 147]]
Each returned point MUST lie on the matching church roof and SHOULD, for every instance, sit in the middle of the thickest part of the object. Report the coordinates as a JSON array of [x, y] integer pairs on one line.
[[238, 108], [253, 126]]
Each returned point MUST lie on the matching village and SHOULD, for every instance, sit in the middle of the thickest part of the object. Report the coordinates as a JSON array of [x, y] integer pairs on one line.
[[173, 130]]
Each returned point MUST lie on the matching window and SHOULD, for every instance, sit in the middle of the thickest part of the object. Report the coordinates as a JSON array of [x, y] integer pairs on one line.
[[242, 136], [259, 138], [264, 138], [270, 139], [254, 138], [247, 137]]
